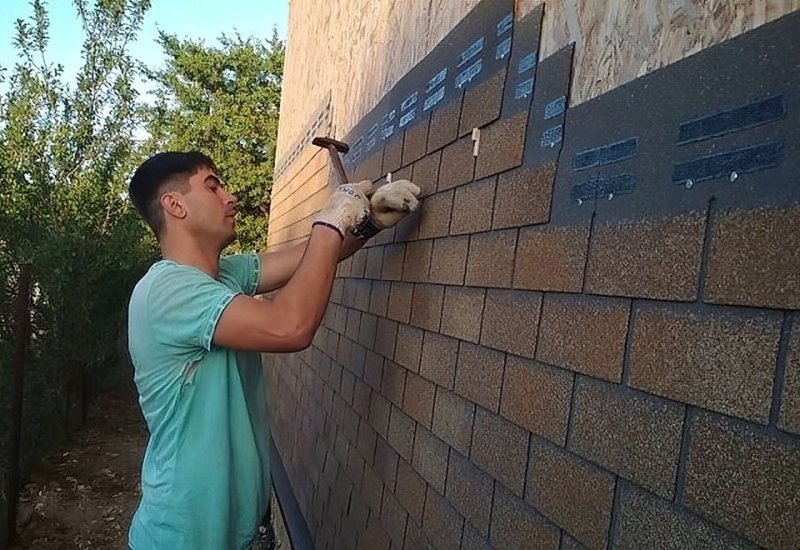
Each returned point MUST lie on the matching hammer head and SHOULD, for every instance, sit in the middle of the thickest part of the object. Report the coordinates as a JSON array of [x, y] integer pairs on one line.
[[325, 142]]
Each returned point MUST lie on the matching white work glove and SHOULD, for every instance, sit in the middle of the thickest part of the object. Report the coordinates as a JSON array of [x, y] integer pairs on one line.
[[347, 208], [389, 204]]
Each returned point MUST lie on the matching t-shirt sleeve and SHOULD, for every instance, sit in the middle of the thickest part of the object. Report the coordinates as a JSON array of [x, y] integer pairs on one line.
[[241, 271], [184, 306]]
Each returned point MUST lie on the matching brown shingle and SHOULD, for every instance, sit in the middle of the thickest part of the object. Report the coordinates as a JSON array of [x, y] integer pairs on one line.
[[537, 397], [348, 385], [372, 488], [439, 355], [744, 480], [409, 347], [461, 314], [353, 322], [482, 103], [407, 229], [418, 400], [410, 490], [441, 522], [373, 369], [551, 258], [790, 404], [426, 173], [374, 262], [501, 449], [393, 518], [374, 537], [444, 124], [359, 263], [415, 538], [393, 262], [571, 492], [645, 521], [415, 142], [641, 434], [491, 258], [472, 207], [449, 260], [458, 164], [430, 458], [366, 442], [379, 299], [584, 334], [394, 382], [392, 155], [363, 290], [361, 398], [755, 258], [400, 299], [401, 432], [470, 491], [716, 359], [502, 145], [370, 168], [417, 261], [379, 410], [453, 418], [386, 463], [435, 215], [479, 376], [426, 311], [472, 540], [367, 330], [355, 466], [511, 321], [657, 259], [517, 525], [385, 336], [523, 196]]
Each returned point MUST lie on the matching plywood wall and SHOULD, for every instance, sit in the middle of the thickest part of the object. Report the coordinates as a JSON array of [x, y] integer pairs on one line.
[[357, 50]]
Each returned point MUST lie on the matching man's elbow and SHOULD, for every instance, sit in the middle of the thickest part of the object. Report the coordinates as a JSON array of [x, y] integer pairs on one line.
[[300, 338]]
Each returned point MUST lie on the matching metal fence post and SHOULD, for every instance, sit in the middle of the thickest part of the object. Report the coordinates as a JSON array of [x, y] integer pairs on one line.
[[22, 333]]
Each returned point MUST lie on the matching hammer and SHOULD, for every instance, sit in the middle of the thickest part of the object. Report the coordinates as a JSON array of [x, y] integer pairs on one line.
[[334, 148]]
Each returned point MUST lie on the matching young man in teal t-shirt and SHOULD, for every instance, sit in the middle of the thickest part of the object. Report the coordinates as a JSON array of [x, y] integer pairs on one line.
[[195, 337]]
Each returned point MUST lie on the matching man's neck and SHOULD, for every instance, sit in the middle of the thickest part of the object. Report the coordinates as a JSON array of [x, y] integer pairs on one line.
[[204, 259]]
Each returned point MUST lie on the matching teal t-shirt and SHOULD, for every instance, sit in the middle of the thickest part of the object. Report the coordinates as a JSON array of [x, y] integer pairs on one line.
[[205, 474]]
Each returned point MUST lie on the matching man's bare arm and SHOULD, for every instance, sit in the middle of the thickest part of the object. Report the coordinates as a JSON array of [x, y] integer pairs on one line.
[[278, 267], [288, 322]]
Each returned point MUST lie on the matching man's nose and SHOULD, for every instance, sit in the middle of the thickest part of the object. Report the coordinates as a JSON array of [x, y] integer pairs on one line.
[[230, 199]]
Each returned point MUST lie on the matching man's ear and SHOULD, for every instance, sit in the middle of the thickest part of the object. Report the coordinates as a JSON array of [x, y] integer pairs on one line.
[[173, 204]]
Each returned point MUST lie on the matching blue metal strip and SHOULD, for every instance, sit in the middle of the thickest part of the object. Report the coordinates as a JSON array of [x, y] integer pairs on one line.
[[740, 161], [733, 119]]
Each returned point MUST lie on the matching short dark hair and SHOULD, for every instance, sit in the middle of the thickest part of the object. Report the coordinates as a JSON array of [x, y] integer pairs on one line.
[[169, 171]]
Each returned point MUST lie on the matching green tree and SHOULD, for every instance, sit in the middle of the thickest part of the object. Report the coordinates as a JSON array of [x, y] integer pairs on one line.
[[66, 153], [224, 101]]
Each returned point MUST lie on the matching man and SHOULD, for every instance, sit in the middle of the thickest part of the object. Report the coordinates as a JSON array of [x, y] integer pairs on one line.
[[195, 333]]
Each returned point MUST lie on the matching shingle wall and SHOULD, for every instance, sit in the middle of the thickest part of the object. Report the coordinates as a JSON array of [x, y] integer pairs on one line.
[[588, 336]]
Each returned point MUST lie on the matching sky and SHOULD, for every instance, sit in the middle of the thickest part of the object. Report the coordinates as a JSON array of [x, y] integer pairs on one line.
[[206, 19]]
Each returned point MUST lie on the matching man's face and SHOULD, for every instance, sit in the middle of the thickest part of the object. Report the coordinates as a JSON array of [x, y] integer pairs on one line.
[[211, 209]]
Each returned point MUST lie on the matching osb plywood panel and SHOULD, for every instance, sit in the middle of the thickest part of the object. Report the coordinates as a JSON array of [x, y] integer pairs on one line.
[[358, 50], [619, 40]]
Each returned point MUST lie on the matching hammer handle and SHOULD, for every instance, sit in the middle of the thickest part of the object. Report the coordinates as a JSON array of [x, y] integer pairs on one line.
[[337, 165]]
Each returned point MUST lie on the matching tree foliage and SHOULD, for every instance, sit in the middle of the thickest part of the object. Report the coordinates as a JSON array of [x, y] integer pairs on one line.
[[66, 153], [224, 100], [67, 150]]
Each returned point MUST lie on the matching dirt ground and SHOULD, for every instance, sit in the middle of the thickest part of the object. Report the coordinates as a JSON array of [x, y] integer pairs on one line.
[[83, 496]]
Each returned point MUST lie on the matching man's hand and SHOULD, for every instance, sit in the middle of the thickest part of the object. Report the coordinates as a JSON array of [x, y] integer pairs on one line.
[[347, 207], [393, 202], [390, 204]]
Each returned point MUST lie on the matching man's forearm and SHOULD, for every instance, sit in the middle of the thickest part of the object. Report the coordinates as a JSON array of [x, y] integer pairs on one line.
[[350, 246]]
